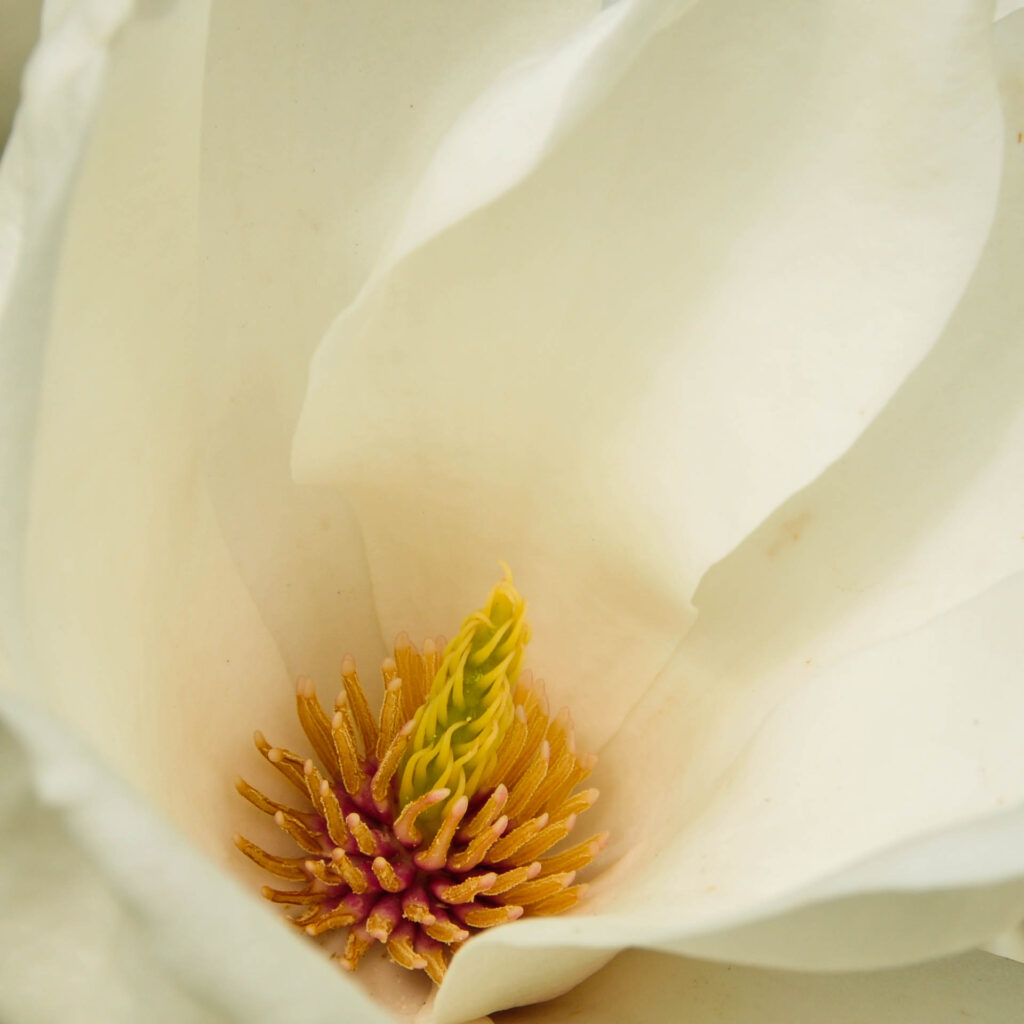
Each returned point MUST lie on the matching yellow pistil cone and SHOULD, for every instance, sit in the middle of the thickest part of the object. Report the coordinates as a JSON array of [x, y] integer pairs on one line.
[[468, 710]]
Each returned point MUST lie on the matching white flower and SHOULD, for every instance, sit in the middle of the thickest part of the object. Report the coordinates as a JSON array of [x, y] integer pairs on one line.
[[309, 313]]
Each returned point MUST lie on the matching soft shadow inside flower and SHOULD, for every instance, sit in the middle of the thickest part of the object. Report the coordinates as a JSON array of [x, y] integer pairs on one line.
[[434, 820]]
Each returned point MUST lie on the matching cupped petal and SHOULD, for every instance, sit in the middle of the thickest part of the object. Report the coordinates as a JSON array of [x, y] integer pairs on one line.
[[109, 918], [62, 85], [918, 517], [317, 120], [135, 622], [872, 818], [659, 989], [695, 302]]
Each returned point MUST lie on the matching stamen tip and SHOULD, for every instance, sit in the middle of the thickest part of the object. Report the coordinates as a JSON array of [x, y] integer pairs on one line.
[[402, 641], [348, 665]]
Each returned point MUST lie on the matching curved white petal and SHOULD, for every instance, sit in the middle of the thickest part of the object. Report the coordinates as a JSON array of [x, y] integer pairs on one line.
[[109, 918], [874, 817], [317, 120], [657, 989], [60, 92], [697, 300], [921, 515]]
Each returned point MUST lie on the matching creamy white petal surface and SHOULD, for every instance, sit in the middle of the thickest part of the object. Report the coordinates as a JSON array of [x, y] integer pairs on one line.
[[657, 989], [679, 311], [892, 750], [702, 294]]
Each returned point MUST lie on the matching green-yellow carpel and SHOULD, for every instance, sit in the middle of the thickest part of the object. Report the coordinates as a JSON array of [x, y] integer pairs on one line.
[[468, 710]]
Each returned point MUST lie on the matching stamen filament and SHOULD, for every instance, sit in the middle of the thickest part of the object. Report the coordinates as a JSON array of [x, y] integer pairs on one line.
[[316, 725], [291, 868], [356, 698]]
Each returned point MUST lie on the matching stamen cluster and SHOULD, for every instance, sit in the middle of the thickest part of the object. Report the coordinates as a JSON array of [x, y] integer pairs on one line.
[[434, 820]]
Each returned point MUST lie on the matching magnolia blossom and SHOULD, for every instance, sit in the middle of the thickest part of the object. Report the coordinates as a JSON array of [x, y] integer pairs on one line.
[[703, 316]]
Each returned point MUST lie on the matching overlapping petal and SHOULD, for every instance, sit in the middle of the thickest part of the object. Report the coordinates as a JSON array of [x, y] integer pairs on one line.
[[695, 302], [864, 632], [652, 988], [608, 363]]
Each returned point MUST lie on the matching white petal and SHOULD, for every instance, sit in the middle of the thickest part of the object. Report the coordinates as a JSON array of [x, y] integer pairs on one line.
[[110, 918], [912, 736], [696, 301], [306, 163], [782, 839], [920, 515], [659, 989], [61, 90], [923, 512]]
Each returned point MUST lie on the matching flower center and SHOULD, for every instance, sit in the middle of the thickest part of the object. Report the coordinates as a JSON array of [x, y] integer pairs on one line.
[[436, 819]]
